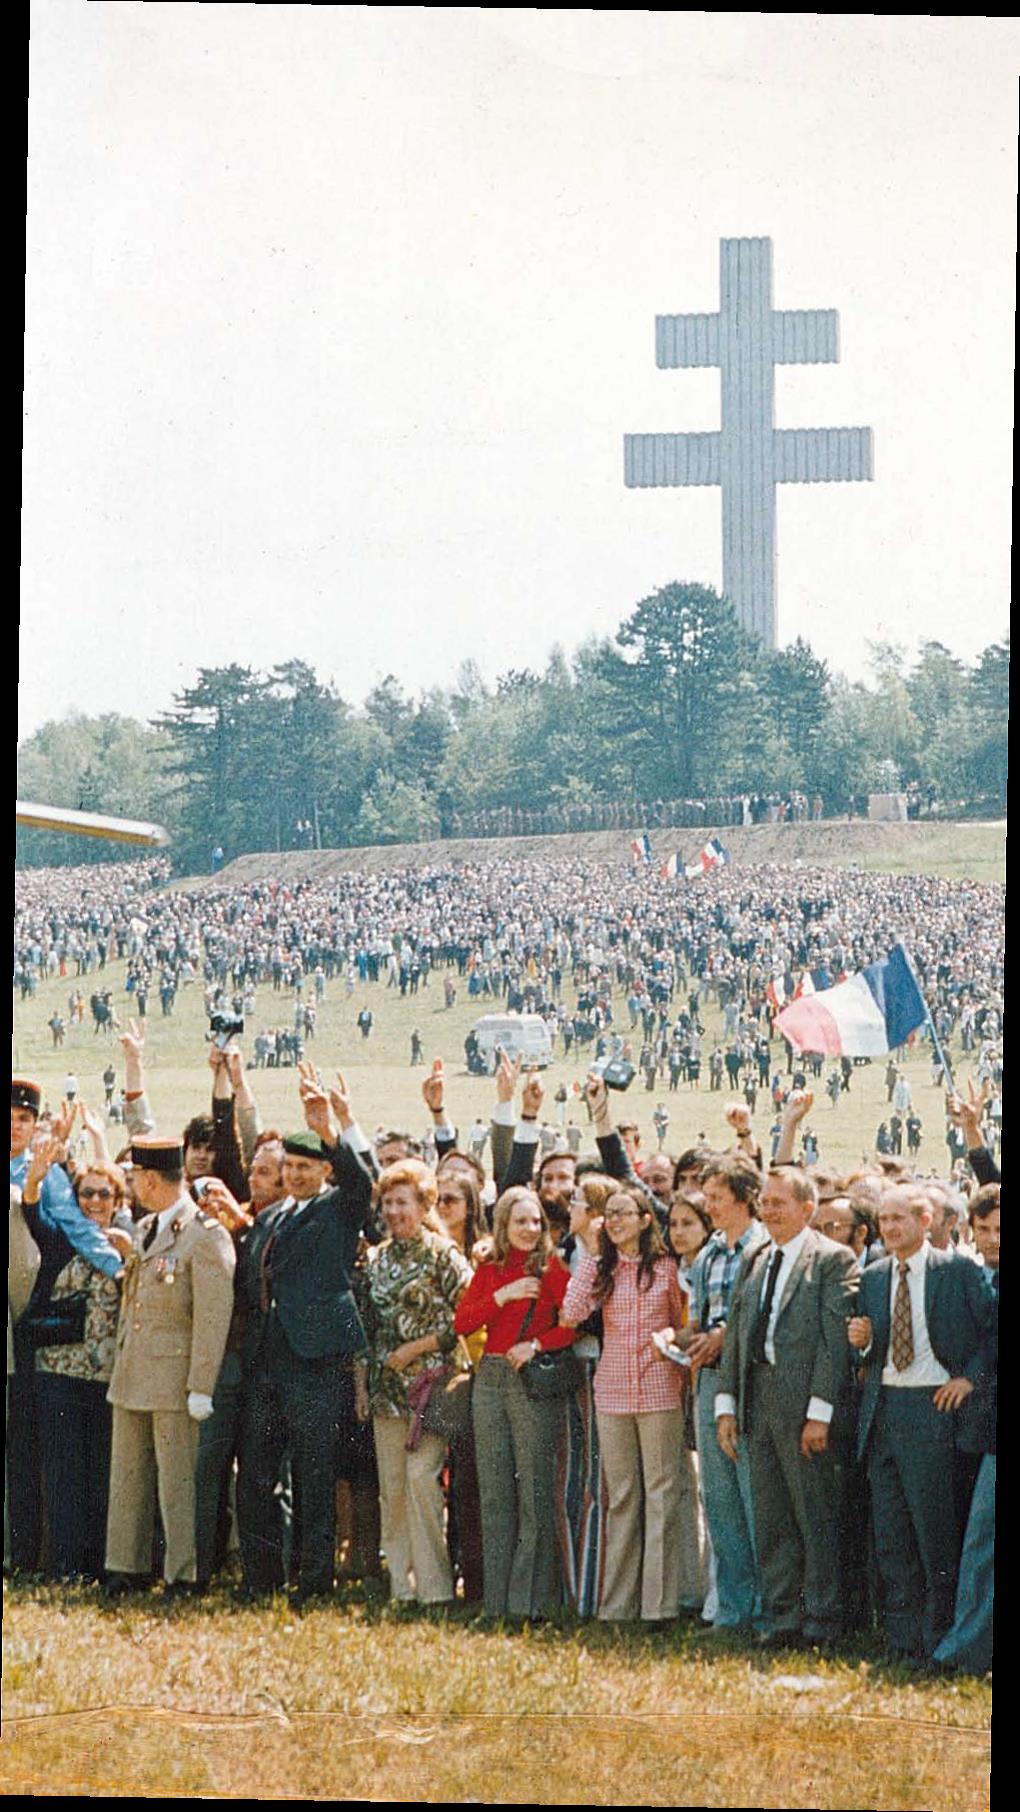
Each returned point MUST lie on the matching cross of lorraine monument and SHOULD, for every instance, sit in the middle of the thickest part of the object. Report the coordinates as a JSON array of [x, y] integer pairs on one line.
[[747, 339]]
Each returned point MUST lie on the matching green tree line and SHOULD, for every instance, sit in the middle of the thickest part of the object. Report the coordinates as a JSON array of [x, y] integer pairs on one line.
[[681, 703]]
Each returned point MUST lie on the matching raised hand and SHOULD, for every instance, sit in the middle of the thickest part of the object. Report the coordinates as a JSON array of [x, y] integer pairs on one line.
[[799, 1103], [739, 1116], [96, 1130], [340, 1101], [62, 1123], [532, 1095], [432, 1089], [132, 1042], [218, 1200], [969, 1114], [315, 1100], [507, 1074], [597, 1095], [46, 1152]]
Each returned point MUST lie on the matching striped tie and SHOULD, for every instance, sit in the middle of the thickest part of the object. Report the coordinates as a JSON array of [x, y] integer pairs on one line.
[[902, 1323]]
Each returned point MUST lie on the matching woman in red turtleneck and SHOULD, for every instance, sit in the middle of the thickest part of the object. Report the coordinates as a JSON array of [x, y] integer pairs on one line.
[[516, 1440]]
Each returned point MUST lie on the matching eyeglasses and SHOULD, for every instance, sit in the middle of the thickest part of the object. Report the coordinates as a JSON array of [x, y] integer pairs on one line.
[[101, 1195], [449, 1201], [622, 1214]]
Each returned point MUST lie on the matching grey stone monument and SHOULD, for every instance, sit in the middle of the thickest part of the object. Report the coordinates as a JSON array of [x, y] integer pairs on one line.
[[747, 339]]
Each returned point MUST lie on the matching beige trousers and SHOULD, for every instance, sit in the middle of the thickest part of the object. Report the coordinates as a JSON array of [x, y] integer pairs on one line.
[[411, 1504], [153, 1452], [642, 1460]]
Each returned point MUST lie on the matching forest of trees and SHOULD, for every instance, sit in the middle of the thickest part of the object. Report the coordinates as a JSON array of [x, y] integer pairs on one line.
[[681, 703]]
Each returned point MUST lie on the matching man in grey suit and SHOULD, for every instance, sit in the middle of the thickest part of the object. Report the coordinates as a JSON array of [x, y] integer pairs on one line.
[[784, 1383]]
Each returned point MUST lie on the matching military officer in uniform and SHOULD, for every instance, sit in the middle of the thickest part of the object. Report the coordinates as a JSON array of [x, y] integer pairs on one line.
[[175, 1315]]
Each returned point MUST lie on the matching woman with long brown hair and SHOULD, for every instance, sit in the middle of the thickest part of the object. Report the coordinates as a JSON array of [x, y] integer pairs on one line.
[[516, 1297], [639, 1406]]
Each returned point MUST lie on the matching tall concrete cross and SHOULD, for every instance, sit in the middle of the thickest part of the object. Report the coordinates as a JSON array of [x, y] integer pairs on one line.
[[747, 339]]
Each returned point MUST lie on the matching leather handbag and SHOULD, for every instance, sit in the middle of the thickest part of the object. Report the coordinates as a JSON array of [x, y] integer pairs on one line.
[[57, 1323], [440, 1403], [550, 1377]]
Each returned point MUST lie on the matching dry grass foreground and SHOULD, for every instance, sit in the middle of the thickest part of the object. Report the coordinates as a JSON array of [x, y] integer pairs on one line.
[[361, 1702]]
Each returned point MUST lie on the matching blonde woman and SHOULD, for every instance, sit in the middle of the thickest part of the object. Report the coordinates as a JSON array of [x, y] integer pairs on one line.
[[412, 1285], [516, 1297]]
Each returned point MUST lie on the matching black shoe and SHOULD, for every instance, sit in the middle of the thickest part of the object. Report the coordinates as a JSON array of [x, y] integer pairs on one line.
[[310, 1599], [246, 1594], [776, 1639], [123, 1585], [176, 1589]]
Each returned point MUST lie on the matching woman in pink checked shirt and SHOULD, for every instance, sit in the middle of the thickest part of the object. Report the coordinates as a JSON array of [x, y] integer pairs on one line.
[[639, 1406]]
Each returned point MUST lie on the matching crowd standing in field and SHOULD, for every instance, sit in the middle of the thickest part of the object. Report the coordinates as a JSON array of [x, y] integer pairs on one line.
[[721, 1384]]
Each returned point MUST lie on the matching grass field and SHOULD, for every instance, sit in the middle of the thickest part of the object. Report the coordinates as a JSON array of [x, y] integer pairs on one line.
[[362, 1703], [388, 1091], [358, 1702]]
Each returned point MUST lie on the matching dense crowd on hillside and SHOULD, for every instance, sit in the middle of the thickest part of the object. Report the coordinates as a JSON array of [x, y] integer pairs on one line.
[[719, 1384]]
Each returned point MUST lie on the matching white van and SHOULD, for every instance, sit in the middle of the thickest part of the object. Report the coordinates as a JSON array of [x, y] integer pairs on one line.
[[523, 1034]]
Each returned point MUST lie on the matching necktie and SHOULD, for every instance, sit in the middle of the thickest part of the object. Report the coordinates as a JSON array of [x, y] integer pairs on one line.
[[902, 1323], [150, 1233], [761, 1327]]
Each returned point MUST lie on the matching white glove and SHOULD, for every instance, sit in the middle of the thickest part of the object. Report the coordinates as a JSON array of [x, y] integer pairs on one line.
[[200, 1408]]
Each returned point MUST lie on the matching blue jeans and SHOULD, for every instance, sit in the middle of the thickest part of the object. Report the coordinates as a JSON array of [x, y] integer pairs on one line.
[[969, 1643], [726, 1488]]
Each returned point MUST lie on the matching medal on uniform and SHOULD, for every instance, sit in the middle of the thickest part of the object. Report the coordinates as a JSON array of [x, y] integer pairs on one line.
[[169, 1267]]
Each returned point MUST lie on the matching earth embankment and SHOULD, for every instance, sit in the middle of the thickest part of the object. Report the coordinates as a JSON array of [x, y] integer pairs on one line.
[[960, 851]]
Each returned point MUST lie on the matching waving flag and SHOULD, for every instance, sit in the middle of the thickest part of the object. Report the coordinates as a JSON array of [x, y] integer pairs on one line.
[[712, 856], [641, 848], [864, 1016], [673, 866]]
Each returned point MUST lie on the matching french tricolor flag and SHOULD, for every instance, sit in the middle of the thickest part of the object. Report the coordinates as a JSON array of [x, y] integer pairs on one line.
[[712, 856], [672, 867], [864, 1016], [641, 848]]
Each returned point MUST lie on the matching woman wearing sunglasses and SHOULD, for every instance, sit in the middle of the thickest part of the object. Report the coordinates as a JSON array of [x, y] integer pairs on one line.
[[72, 1375]]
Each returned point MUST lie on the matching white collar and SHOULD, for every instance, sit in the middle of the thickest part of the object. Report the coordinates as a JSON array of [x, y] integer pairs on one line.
[[791, 1251]]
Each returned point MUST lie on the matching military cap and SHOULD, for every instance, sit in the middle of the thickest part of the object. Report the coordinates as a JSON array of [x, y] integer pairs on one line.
[[26, 1094], [152, 1152]]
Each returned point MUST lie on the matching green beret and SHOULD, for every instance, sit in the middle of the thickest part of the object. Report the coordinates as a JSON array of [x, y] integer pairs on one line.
[[305, 1145]]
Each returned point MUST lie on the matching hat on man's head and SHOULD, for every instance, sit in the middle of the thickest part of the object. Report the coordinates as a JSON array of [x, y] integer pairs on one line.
[[305, 1145], [151, 1152], [26, 1094]]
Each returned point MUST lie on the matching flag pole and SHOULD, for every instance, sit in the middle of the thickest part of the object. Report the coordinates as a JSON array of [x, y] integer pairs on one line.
[[929, 1021]]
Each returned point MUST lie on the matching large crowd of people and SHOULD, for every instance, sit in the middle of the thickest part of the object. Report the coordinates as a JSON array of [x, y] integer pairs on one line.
[[723, 1384]]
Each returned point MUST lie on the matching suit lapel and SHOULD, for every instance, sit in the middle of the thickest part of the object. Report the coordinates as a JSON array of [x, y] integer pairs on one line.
[[935, 1270], [796, 1277], [880, 1324]]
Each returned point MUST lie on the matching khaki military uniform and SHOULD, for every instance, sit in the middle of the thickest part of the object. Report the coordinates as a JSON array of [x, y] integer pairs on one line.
[[174, 1319]]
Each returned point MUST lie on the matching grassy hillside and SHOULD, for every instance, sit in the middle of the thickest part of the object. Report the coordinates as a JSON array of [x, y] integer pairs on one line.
[[974, 852]]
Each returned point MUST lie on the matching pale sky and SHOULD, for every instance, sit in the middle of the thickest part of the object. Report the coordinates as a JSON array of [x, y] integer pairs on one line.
[[337, 317]]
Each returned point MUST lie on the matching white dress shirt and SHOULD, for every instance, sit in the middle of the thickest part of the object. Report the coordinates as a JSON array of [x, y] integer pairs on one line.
[[818, 1410], [924, 1369]]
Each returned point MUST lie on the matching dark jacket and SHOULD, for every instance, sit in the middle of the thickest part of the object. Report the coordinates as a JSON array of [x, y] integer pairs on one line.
[[959, 1308], [310, 1267]]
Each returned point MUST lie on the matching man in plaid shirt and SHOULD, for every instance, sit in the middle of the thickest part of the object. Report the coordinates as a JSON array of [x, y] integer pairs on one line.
[[731, 1184]]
